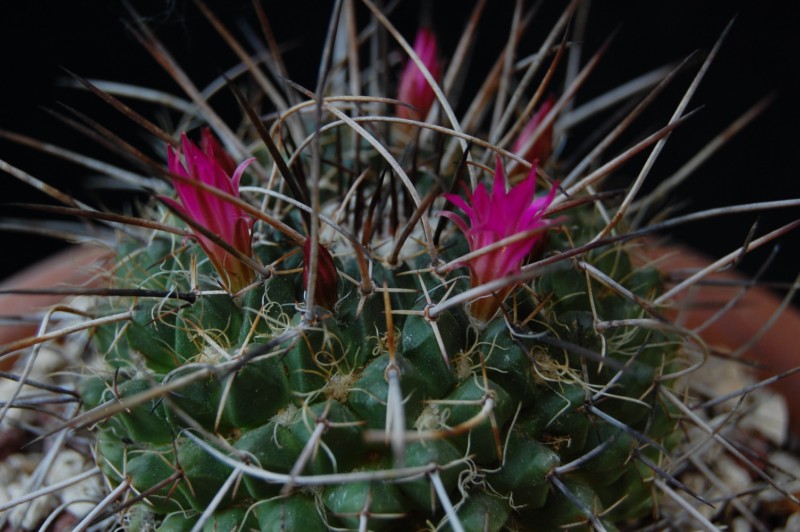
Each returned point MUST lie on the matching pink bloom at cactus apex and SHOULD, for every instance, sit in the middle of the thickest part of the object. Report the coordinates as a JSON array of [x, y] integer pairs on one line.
[[414, 88], [213, 166], [493, 217], [325, 293], [543, 145]]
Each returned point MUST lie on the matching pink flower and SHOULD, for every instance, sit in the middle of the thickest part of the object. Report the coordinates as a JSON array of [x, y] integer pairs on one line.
[[414, 88], [325, 294], [494, 217], [215, 167], [540, 150]]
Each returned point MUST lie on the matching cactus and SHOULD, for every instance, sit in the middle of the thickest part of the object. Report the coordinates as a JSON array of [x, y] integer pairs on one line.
[[357, 316]]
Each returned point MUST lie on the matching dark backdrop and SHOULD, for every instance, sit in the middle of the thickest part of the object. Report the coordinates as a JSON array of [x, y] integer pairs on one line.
[[759, 56]]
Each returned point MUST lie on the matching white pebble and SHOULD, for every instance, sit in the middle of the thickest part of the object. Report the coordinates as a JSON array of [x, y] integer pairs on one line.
[[770, 418], [69, 464]]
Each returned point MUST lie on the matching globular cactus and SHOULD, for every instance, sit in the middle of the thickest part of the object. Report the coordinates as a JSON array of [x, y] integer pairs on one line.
[[383, 407], [355, 315], [384, 404]]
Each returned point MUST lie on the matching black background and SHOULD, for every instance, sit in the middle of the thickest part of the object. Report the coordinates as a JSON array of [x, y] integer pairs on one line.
[[759, 56]]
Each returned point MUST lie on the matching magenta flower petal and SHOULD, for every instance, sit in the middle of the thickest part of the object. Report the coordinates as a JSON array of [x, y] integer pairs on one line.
[[211, 147], [494, 217], [212, 166], [460, 203], [456, 219], [238, 173], [414, 88], [541, 148]]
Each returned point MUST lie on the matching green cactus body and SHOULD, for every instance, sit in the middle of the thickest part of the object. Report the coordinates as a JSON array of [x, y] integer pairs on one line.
[[307, 406]]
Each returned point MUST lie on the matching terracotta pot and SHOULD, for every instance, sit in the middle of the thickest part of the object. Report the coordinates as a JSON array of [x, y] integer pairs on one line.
[[75, 266], [776, 351]]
